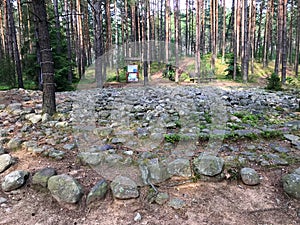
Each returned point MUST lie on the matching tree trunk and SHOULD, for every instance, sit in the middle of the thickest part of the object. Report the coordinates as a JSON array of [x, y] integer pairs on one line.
[[57, 27], [167, 40], [290, 39], [224, 32], [284, 41], [258, 40], [245, 41], [15, 46], [47, 67], [279, 36], [297, 41], [198, 41], [69, 45], [176, 22]]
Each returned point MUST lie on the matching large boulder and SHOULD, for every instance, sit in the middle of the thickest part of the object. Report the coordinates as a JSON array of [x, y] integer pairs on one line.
[[291, 184], [5, 161], [65, 189], [90, 158], [98, 192], [124, 188], [249, 176], [208, 165], [14, 180]]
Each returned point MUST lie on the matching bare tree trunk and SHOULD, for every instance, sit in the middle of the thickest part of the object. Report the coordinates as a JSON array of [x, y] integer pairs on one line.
[[198, 41], [284, 41], [47, 66], [224, 32], [57, 27], [297, 40], [187, 27], [98, 43], [235, 40], [290, 39], [69, 45], [279, 36], [2, 38], [245, 62], [15, 46], [258, 40], [176, 22], [167, 15]]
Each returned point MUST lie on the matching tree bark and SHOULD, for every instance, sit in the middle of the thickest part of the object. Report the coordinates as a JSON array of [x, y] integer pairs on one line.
[[198, 41], [297, 41], [176, 22], [284, 41], [279, 36], [15, 46], [47, 67], [224, 32], [167, 28]]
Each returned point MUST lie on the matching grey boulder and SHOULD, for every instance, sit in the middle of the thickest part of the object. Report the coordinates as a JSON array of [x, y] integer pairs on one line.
[[65, 188], [124, 188], [249, 176], [14, 180]]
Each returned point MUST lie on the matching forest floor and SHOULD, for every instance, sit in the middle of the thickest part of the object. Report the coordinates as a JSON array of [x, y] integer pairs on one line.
[[226, 202]]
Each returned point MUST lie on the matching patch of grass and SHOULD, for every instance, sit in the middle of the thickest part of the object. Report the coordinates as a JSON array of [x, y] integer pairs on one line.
[[172, 138], [269, 134], [207, 117], [247, 117]]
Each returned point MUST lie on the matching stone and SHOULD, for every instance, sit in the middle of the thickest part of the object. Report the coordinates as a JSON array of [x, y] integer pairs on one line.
[[65, 189], [98, 192], [14, 144], [208, 165], [46, 117], [124, 188], [291, 185], [279, 149], [276, 160], [161, 198], [5, 162], [61, 124], [14, 180], [291, 137], [180, 167], [14, 106], [297, 171], [2, 150], [118, 141], [137, 217], [154, 171], [56, 154], [177, 203], [91, 158], [40, 178], [34, 118], [2, 200], [69, 147], [249, 176]]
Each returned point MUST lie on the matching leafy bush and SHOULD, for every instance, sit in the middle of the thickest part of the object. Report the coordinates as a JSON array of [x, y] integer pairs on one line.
[[169, 72], [274, 82]]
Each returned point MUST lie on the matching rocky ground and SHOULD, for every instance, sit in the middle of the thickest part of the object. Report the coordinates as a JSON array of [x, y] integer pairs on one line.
[[156, 155]]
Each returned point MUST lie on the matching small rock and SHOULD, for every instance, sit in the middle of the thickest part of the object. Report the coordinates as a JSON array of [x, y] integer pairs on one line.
[[98, 192], [180, 167], [208, 165], [61, 124], [137, 217], [177, 203], [56, 154], [161, 198], [291, 137], [124, 188], [279, 149], [250, 176], [90, 158], [45, 117], [14, 144], [5, 161], [291, 185], [34, 118], [14, 180], [65, 188], [118, 141], [69, 147], [41, 177], [3, 200]]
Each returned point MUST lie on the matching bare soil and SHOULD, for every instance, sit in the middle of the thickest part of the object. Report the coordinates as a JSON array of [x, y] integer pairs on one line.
[[226, 202]]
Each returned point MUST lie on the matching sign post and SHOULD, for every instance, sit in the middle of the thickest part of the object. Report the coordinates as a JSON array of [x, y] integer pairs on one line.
[[132, 74]]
